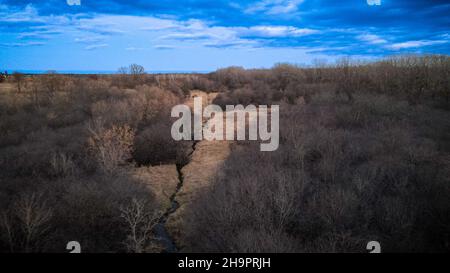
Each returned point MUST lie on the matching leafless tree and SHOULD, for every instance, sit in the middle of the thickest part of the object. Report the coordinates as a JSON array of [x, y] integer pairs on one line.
[[136, 69], [130, 76], [122, 70], [344, 81], [18, 79], [51, 83], [111, 147], [27, 223], [7, 229], [140, 223]]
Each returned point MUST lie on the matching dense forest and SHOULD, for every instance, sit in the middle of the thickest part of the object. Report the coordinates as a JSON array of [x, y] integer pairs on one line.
[[364, 155]]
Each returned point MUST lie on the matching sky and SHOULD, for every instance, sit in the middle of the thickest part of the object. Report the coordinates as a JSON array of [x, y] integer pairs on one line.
[[203, 35]]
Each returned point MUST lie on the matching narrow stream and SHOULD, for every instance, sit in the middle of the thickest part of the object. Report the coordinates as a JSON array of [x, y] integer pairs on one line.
[[162, 235], [161, 232]]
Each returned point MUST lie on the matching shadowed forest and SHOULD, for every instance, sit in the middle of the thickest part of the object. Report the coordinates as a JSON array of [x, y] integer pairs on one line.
[[364, 156]]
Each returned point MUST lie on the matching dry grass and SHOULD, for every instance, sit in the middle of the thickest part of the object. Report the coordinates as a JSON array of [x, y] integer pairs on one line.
[[205, 164], [6, 88], [161, 180]]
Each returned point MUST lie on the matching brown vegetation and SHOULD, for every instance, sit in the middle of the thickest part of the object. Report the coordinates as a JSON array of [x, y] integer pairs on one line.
[[71, 141], [364, 155]]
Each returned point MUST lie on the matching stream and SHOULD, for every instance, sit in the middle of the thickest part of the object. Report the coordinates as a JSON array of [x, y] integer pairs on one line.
[[162, 235]]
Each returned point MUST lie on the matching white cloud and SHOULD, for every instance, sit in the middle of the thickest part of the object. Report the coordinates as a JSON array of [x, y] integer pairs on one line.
[[97, 46], [22, 44], [415, 44], [195, 30], [199, 32], [164, 47], [98, 30], [274, 7], [89, 39], [132, 48], [103, 24], [372, 39], [278, 31], [29, 15]]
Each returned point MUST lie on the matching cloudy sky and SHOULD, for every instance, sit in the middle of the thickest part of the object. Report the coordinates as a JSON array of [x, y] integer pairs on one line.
[[202, 35]]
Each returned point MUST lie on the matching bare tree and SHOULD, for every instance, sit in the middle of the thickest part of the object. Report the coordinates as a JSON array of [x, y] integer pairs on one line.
[[122, 70], [34, 215], [18, 79], [7, 229], [26, 225], [52, 82], [136, 69], [344, 78], [130, 76], [137, 73], [110, 147], [140, 222], [35, 86]]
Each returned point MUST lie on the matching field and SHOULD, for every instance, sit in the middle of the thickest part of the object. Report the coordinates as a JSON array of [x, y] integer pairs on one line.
[[364, 156]]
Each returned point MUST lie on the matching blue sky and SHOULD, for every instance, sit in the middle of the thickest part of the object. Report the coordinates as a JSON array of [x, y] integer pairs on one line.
[[203, 35]]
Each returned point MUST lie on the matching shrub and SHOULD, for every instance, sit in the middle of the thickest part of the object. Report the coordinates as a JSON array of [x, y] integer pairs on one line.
[[155, 145], [18, 78], [110, 147], [328, 188]]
